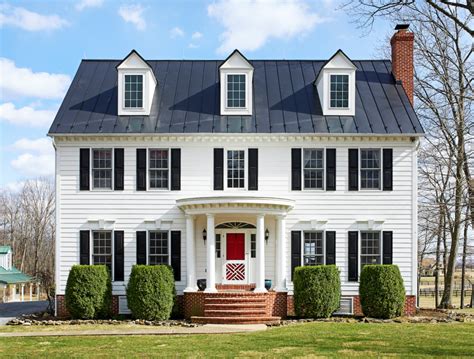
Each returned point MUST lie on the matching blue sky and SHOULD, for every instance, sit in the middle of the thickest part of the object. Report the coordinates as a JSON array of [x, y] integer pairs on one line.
[[42, 43]]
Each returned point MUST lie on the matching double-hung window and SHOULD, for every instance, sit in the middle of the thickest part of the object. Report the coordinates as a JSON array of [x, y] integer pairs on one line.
[[236, 91], [370, 168], [102, 248], [339, 91], [133, 91], [102, 168], [313, 248], [158, 167], [370, 251], [313, 168], [158, 248], [236, 169]]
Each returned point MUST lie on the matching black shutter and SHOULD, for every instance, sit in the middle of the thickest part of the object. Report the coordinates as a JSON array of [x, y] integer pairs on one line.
[[141, 169], [175, 169], [84, 169], [118, 256], [141, 247], [296, 169], [118, 169], [353, 256], [387, 246], [330, 247], [353, 169], [176, 254], [330, 169], [295, 251], [253, 169], [84, 247], [387, 169], [218, 169]]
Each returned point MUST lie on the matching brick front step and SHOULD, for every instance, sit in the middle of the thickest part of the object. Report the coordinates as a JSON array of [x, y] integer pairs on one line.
[[234, 306], [235, 300], [244, 287], [236, 320], [235, 313]]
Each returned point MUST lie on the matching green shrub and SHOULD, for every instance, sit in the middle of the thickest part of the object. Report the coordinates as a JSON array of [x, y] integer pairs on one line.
[[317, 291], [89, 292], [151, 292], [381, 290]]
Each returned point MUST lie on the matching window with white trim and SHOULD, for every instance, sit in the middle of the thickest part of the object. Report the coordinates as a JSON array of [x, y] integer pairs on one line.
[[102, 248], [253, 245], [236, 91], [158, 168], [339, 91], [102, 168], [236, 169], [218, 245], [313, 168], [370, 248], [158, 247], [313, 248], [133, 91], [370, 168]]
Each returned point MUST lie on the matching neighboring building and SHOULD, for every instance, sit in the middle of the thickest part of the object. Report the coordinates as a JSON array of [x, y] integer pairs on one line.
[[236, 172], [12, 280]]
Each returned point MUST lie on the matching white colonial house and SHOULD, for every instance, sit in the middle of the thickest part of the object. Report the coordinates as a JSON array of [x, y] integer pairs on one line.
[[235, 172]]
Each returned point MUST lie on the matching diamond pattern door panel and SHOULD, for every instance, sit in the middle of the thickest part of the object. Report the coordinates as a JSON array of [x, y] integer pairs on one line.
[[235, 271]]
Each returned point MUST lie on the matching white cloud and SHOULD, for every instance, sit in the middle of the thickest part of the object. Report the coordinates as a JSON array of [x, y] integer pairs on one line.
[[28, 20], [193, 46], [84, 4], [13, 186], [196, 35], [133, 14], [20, 82], [249, 24], [36, 159], [176, 32], [26, 116]]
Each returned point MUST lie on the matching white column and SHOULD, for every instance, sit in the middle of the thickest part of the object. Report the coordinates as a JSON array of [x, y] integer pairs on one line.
[[280, 260], [22, 292], [211, 255], [31, 291], [260, 285], [191, 285]]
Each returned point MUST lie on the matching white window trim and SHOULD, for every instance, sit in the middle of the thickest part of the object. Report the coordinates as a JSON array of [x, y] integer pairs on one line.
[[231, 111], [348, 92], [236, 189], [91, 171], [148, 243], [226, 92], [130, 111], [359, 269], [148, 169], [137, 109], [302, 245], [380, 189], [91, 252], [303, 188]]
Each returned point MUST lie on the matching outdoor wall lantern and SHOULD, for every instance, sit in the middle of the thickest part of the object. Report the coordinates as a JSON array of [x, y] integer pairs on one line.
[[267, 235], [204, 234]]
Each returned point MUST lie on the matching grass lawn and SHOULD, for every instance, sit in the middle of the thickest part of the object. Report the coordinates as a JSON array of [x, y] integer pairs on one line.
[[312, 339]]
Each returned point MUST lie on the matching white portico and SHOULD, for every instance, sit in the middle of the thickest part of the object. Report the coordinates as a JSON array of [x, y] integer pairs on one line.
[[239, 225]]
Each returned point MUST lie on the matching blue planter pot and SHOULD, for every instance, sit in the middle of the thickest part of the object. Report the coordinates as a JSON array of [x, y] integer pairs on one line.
[[268, 284], [201, 283]]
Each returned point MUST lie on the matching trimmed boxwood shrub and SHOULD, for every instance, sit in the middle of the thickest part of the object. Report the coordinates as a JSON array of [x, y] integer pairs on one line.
[[381, 290], [89, 292], [317, 291], [151, 292]]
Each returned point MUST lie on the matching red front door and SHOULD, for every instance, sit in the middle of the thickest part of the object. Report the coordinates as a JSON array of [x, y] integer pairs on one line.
[[235, 246]]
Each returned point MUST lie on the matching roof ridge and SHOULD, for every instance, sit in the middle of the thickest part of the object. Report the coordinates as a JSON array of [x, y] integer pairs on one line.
[[215, 60]]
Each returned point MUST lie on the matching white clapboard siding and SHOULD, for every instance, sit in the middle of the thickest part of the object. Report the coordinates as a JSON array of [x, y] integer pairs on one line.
[[341, 208]]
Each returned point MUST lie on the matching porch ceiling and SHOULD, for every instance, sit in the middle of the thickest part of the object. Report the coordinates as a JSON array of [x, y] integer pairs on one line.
[[235, 204]]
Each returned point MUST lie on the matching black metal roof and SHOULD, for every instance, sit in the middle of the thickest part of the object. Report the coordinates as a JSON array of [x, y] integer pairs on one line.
[[187, 101]]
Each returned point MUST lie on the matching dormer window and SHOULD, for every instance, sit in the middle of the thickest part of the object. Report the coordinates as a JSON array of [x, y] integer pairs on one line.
[[236, 76], [133, 91], [339, 91], [236, 91]]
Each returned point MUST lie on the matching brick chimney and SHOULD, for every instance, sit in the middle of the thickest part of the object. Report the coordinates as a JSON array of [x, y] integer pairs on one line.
[[402, 58]]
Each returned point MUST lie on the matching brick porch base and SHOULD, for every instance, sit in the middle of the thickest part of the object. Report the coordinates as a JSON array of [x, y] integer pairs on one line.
[[62, 312]]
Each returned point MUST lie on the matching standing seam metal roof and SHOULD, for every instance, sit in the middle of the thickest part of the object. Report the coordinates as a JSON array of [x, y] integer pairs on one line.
[[186, 100]]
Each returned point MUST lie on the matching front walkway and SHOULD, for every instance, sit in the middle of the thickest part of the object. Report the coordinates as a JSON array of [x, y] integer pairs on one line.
[[205, 329], [9, 311]]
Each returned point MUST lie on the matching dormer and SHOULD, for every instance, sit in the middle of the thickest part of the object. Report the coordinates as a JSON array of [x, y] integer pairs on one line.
[[136, 86], [336, 84], [236, 76]]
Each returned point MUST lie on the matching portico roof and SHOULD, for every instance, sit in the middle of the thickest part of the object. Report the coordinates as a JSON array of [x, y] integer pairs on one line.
[[235, 204]]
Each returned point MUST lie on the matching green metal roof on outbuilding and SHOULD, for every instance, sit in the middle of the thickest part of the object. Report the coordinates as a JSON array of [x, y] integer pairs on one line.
[[5, 249], [12, 276]]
